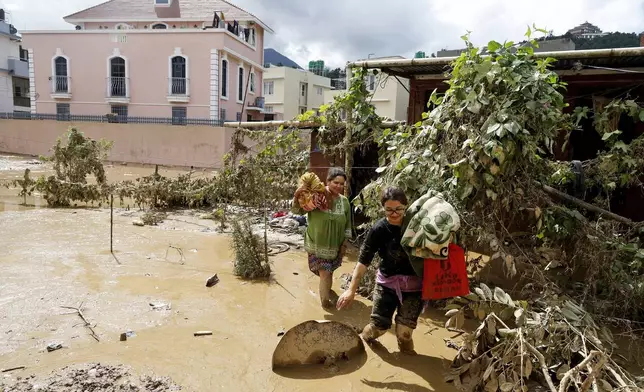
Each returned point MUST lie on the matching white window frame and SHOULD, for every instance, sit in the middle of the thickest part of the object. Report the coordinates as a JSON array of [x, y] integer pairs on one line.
[[252, 81], [159, 23], [53, 64], [240, 67], [117, 53], [227, 77], [319, 90], [269, 87], [178, 53], [268, 109], [123, 26], [60, 54]]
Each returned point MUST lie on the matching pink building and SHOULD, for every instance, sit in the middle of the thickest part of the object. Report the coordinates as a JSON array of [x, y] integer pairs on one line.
[[195, 59]]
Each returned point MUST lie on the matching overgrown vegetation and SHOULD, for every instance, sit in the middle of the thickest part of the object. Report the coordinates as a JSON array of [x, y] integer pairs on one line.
[[251, 260], [487, 144], [518, 346]]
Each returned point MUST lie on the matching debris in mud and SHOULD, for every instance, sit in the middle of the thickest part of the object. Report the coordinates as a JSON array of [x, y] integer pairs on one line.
[[93, 377], [212, 281], [160, 306], [12, 369], [152, 218], [203, 333], [54, 346], [317, 342], [182, 259], [281, 333], [138, 222], [126, 335]]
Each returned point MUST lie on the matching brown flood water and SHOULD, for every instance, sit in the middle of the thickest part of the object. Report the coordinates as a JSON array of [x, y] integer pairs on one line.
[[60, 257]]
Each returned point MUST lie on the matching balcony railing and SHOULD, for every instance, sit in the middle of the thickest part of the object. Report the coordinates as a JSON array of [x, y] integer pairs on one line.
[[24, 102], [60, 84], [117, 87], [178, 86]]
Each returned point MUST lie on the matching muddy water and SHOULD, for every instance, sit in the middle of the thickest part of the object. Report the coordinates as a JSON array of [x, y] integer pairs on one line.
[[60, 257]]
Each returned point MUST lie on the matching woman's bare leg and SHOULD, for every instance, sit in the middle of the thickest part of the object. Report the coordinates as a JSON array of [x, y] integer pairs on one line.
[[326, 281]]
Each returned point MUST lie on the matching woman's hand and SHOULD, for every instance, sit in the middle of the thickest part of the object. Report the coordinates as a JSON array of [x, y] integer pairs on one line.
[[345, 299]]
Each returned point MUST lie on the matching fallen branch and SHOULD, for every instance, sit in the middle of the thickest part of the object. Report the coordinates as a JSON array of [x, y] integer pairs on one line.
[[565, 381], [536, 353], [79, 311], [587, 206]]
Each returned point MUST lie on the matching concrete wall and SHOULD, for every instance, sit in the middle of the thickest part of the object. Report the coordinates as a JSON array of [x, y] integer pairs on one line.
[[199, 146]]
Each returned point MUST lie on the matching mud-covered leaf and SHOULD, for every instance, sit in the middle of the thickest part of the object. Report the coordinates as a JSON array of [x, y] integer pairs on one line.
[[473, 296], [481, 293], [570, 315], [563, 369], [520, 317], [453, 306], [480, 313], [487, 291], [506, 314], [488, 372], [475, 367], [460, 320], [499, 295], [507, 386], [451, 312], [605, 385], [492, 386], [491, 325], [527, 367], [450, 322]]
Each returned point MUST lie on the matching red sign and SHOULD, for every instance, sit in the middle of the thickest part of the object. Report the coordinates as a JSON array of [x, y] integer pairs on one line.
[[446, 278]]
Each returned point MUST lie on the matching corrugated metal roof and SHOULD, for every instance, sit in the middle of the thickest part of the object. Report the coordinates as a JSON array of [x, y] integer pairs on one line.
[[566, 60]]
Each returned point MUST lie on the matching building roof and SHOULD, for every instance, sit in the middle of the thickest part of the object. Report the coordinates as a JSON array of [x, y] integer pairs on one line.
[[132, 10], [566, 60], [273, 57]]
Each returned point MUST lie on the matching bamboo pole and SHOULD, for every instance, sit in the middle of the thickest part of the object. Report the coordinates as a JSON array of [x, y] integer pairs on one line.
[[112, 224], [291, 124]]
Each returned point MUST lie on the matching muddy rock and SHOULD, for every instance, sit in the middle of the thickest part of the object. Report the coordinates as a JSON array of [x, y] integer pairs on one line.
[[93, 377]]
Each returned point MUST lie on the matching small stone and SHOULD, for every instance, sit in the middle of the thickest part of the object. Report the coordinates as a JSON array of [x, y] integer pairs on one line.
[[138, 222]]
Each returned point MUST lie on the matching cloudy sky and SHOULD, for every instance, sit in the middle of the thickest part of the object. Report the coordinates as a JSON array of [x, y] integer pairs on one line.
[[342, 30]]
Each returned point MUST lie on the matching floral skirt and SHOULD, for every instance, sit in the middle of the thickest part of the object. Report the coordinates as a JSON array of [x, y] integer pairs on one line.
[[316, 264]]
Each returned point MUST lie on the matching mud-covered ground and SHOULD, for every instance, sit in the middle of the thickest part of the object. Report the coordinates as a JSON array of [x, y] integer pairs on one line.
[[93, 377], [52, 260]]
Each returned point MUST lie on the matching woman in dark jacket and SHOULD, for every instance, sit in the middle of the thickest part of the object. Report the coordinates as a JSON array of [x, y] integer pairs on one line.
[[398, 288]]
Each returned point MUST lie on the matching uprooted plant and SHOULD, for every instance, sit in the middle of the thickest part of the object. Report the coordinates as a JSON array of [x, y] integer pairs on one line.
[[81, 157], [554, 343], [251, 262]]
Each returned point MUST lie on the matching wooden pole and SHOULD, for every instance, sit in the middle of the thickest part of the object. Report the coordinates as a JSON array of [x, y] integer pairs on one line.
[[580, 203], [112, 224]]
